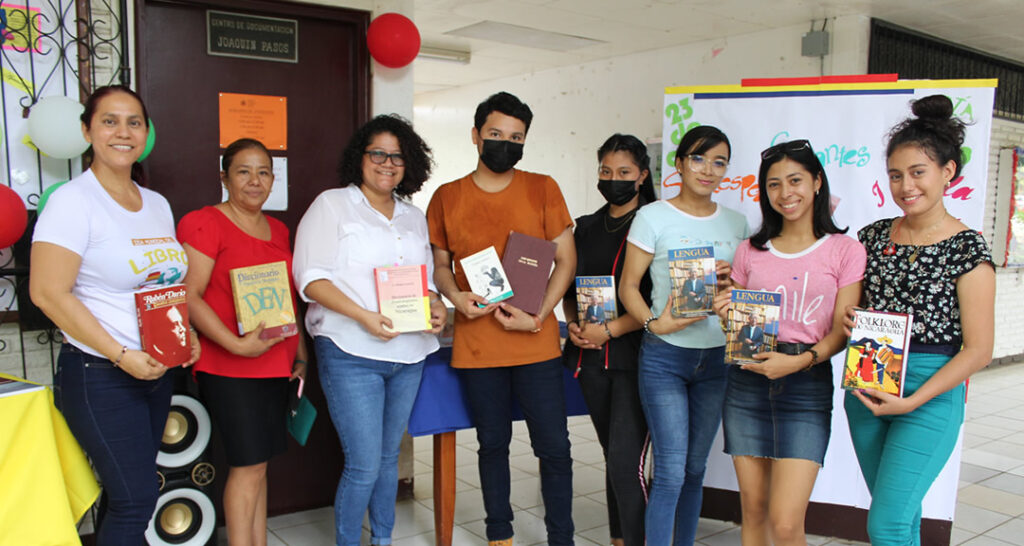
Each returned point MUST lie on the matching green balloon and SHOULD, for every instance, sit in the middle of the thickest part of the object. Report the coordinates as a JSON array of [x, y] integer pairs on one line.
[[46, 196], [150, 141]]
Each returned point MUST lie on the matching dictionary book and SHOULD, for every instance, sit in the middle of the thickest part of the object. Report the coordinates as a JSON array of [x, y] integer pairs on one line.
[[403, 297], [753, 325], [693, 280], [262, 293], [527, 261], [163, 324], [877, 352], [486, 276], [595, 299]]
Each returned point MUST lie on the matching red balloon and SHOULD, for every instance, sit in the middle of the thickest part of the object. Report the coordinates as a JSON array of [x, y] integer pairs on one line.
[[13, 216], [393, 40]]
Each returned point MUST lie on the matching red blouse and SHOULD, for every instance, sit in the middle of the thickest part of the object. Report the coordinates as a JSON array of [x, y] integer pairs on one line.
[[209, 231]]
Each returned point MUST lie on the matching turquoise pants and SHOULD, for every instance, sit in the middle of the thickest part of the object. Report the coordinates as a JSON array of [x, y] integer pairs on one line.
[[900, 456]]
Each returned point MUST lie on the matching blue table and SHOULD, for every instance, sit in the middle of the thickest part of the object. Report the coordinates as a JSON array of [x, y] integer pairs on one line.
[[440, 410]]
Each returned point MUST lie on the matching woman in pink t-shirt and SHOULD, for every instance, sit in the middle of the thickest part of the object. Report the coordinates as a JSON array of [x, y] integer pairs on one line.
[[778, 412]]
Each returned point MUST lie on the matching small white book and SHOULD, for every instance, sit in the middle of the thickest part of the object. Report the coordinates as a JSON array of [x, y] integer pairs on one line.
[[486, 276]]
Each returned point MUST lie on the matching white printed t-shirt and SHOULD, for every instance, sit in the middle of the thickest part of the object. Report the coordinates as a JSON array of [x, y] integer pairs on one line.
[[660, 227], [122, 251]]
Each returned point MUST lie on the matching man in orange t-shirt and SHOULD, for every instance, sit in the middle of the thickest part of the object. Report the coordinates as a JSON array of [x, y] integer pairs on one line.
[[505, 352]]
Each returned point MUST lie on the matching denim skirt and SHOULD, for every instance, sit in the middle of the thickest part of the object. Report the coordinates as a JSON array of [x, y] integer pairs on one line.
[[785, 418]]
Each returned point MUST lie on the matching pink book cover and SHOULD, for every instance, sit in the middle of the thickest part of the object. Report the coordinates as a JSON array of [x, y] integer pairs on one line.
[[403, 296]]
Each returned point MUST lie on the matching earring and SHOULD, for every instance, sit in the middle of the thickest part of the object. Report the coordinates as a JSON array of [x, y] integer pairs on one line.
[[816, 192]]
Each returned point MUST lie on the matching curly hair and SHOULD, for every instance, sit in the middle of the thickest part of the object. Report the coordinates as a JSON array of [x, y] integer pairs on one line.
[[418, 156]]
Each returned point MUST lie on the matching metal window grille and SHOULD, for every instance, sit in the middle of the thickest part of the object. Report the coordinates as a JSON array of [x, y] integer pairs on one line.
[[48, 47], [912, 55]]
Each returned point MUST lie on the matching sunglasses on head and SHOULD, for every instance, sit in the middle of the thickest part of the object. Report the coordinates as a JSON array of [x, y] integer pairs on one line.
[[785, 147]]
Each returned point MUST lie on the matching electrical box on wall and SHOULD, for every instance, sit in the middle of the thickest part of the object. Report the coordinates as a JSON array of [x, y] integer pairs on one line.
[[814, 44]]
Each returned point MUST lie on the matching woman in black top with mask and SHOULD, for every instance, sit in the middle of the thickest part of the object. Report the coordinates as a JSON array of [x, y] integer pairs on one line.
[[604, 353]]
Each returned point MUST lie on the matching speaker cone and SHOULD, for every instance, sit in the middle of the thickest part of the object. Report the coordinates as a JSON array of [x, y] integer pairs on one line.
[[183, 517], [186, 434]]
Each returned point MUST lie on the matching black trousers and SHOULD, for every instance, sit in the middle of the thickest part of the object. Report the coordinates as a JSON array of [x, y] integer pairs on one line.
[[614, 404]]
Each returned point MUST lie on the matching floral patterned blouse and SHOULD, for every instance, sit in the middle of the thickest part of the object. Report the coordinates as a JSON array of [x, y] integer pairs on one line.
[[924, 287]]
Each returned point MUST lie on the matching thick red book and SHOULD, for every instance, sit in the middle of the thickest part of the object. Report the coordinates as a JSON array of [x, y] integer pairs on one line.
[[163, 324], [527, 262]]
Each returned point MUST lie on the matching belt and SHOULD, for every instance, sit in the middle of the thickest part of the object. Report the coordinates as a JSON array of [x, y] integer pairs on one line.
[[792, 348], [88, 360]]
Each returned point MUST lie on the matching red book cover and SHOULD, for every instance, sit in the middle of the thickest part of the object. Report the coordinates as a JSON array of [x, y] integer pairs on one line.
[[163, 324], [527, 263]]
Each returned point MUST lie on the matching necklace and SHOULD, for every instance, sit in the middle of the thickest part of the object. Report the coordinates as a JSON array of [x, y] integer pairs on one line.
[[619, 222], [917, 248]]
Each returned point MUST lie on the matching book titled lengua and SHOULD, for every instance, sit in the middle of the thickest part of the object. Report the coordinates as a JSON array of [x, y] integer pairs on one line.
[[694, 283], [877, 352], [403, 296], [163, 324], [753, 325], [486, 276], [262, 293], [527, 262], [595, 299]]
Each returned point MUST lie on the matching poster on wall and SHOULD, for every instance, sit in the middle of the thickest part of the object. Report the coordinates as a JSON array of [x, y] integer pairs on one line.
[[847, 120], [262, 117]]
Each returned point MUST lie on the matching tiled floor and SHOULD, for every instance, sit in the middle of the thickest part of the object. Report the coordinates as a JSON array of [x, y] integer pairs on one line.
[[989, 509]]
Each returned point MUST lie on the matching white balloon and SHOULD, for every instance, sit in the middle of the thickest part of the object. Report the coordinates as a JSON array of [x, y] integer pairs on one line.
[[55, 127]]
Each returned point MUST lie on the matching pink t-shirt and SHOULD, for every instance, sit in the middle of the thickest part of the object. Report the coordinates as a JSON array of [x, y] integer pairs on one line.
[[809, 281]]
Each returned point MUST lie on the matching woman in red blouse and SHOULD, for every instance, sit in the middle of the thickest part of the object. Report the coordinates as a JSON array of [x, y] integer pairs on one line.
[[243, 379]]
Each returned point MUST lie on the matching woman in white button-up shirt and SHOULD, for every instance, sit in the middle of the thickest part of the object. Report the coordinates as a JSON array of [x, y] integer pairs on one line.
[[369, 373]]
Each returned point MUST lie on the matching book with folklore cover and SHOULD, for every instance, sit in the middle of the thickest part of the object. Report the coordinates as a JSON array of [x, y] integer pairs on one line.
[[753, 325], [527, 262], [262, 293], [163, 324], [693, 280], [486, 276], [595, 299], [877, 351], [403, 297]]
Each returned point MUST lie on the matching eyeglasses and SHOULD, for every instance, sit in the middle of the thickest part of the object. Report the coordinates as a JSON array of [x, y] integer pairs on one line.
[[790, 147], [697, 163], [378, 157]]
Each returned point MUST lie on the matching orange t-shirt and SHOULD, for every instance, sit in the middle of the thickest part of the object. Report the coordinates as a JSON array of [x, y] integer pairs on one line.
[[463, 220]]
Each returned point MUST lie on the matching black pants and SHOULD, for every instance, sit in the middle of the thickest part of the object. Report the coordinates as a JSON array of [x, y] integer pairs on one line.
[[614, 404]]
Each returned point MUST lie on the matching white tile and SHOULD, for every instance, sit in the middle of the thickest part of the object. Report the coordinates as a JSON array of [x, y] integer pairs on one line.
[[1011, 531], [526, 493], [976, 520], [959, 536], [725, 538], [412, 518], [320, 532], [597, 535], [986, 459], [708, 527], [301, 518], [460, 536], [586, 514], [587, 480], [986, 541], [587, 453], [469, 506]]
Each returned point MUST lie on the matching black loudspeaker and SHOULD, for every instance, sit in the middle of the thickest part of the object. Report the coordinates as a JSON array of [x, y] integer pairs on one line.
[[185, 514]]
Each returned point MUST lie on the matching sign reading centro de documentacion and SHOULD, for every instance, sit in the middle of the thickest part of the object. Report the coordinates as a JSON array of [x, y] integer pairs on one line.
[[252, 37]]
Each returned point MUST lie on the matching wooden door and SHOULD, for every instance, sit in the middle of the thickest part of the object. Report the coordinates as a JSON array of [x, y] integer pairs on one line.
[[327, 92]]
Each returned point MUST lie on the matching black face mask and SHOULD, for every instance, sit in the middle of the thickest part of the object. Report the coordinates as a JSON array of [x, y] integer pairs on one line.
[[501, 155], [617, 192]]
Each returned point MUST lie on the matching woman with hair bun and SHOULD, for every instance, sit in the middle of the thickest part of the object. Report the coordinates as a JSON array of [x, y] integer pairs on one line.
[[930, 265], [604, 353]]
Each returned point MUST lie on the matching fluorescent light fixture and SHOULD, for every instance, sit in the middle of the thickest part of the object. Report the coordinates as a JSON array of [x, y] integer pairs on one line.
[[523, 36], [444, 54]]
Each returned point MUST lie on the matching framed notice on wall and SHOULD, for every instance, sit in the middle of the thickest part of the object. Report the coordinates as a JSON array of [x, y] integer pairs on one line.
[[262, 117]]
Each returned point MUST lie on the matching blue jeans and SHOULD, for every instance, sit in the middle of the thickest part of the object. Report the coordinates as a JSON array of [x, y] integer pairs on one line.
[[682, 391], [915, 446], [119, 422], [538, 389], [369, 402]]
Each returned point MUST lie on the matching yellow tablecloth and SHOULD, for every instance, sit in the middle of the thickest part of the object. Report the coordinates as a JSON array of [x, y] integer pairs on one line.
[[46, 483]]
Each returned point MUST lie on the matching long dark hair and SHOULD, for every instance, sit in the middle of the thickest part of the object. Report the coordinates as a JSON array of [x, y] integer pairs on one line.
[[418, 157], [934, 129], [771, 220], [638, 151], [137, 174]]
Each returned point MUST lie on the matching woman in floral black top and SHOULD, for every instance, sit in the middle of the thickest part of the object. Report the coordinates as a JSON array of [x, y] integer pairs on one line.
[[930, 265]]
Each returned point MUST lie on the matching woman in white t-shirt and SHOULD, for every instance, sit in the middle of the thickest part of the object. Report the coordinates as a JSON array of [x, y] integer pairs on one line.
[[100, 239]]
